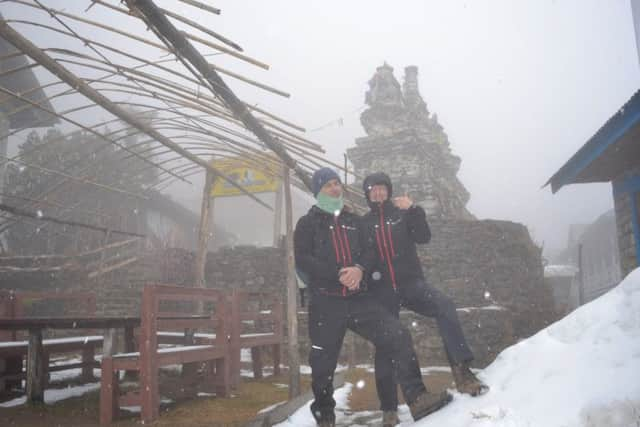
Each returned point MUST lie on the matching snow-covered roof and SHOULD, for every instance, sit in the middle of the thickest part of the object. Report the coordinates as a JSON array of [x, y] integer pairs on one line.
[[560, 270]]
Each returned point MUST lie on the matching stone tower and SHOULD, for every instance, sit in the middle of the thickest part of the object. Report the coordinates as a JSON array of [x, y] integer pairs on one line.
[[407, 142], [492, 269]]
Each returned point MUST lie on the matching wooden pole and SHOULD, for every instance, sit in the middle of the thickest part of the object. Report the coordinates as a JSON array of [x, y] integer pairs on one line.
[[292, 293], [277, 217], [203, 234]]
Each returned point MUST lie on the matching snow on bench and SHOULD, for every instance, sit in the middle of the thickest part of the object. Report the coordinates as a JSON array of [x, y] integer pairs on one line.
[[165, 350], [54, 341]]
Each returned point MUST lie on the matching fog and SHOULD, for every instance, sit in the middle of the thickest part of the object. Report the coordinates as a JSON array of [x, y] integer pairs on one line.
[[517, 86]]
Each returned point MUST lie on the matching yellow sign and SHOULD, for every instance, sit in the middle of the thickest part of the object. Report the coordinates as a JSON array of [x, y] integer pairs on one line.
[[253, 180]]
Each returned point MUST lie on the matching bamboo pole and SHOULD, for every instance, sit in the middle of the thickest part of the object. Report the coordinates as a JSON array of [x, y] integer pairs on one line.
[[292, 294], [202, 6], [181, 19], [46, 61], [184, 48]]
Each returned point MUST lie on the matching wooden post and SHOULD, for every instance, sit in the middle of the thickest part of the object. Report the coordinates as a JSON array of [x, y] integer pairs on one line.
[[203, 234], [292, 293], [109, 342], [4, 142], [580, 277], [235, 330], [35, 367], [277, 218]]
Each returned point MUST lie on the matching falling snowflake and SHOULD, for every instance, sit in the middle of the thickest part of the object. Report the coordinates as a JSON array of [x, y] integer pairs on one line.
[[487, 295], [360, 384], [39, 213]]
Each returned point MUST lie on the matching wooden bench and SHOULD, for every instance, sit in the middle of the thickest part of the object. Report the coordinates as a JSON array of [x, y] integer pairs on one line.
[[13, 346], [264, 312], [170, 308]]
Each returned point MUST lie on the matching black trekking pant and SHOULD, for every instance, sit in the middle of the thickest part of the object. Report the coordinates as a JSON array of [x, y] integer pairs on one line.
[[329, 319], [428, 301]]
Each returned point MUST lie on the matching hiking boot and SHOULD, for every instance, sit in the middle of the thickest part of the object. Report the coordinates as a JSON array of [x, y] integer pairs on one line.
[[427, 403], [326, 422], [467, 382], [327, 419], [390, 419]]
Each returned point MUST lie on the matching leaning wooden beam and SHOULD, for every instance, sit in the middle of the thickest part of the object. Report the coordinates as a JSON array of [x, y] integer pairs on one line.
[[62, 73], [20, 212], [183, 47]]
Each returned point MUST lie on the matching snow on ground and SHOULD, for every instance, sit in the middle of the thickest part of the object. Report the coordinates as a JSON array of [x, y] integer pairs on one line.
[[303, 418], [55, 394], [582, 371]]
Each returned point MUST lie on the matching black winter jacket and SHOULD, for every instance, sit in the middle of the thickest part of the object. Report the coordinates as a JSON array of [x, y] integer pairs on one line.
[[394, 233], [325, 243]]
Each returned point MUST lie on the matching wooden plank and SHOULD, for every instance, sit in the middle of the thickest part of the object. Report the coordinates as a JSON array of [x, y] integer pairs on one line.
[[68, 323]]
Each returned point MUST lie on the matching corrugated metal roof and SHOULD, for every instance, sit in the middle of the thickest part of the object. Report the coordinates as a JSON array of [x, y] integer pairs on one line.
[[615, 147]]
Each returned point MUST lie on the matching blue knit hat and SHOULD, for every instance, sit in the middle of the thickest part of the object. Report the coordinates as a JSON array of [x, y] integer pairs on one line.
[[321, 177]]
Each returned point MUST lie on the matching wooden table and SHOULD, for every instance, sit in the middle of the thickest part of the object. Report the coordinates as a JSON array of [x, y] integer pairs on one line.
[[35, 354]]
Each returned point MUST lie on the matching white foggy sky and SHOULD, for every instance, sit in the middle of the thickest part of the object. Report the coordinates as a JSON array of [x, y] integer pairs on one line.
[[518, 86]]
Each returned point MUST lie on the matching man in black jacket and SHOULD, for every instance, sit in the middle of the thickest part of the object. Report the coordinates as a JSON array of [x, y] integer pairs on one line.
[[331, 251], [394, 227]]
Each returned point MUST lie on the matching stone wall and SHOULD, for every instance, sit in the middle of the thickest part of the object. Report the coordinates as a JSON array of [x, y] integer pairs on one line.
[[626, 241], [494, 274], [480, 264]]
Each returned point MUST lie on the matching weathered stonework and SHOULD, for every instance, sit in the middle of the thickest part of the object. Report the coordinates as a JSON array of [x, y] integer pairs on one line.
[[409, 144]]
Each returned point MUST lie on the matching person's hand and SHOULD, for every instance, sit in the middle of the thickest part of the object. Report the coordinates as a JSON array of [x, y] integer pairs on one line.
[[403, 202], [350, 277]]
